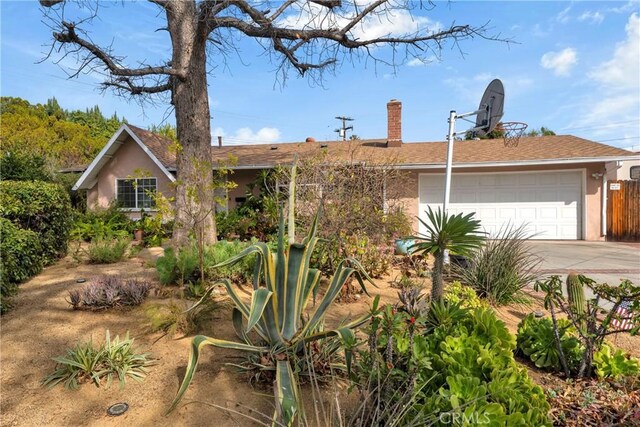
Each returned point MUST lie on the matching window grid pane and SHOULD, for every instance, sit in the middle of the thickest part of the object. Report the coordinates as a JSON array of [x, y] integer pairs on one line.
[[126, 193], [146, 189]]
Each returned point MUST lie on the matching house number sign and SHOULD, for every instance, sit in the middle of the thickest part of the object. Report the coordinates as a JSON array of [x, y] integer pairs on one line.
[[614, 186]]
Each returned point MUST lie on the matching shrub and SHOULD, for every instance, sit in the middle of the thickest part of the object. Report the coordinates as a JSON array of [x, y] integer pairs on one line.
[[536, 341], [19, 259], [500, 269], [376, 258], [452, 363], [85, 363], [100, 224], [17, 166], [106, 292], [240, 272], [614, 363], [107, 251], [41, 207], [184, 267], [596, 322], [180, 268], [182, 317]]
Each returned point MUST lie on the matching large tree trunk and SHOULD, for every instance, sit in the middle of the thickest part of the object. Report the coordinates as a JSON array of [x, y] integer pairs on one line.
[[194, 192]]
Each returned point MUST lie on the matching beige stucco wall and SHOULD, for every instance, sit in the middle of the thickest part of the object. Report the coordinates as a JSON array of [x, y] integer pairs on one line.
[[592, 216], [129, 160], [620, 170], [242, 178]]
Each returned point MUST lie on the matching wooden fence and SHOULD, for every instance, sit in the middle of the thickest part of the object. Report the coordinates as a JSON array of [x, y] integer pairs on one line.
[[623, 210]]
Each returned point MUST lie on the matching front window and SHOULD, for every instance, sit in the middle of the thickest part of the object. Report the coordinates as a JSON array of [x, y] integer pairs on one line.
[[136, 193]]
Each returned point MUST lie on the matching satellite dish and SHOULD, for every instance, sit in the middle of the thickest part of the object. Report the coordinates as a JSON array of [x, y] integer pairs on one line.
[[490, 109]]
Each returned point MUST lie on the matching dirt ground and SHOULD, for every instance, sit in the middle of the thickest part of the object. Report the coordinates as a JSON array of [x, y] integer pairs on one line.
[[42, 325]]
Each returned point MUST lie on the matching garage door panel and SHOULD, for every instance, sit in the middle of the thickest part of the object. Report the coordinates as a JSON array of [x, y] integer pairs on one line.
[[524, 179], [546, 203], [527, 195]]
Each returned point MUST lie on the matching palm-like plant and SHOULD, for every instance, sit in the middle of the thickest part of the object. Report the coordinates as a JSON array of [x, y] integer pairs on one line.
[[457, 234], [283, 284]]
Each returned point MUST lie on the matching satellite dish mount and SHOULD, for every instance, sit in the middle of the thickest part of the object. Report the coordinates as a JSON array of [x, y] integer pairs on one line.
[[488, 116]]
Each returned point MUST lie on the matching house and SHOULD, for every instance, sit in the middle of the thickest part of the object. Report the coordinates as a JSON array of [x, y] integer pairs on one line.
[[625, 170], [551, 183]]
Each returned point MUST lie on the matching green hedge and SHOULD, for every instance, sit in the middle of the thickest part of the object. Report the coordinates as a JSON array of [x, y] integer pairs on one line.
[[20, 258], [41, 207]]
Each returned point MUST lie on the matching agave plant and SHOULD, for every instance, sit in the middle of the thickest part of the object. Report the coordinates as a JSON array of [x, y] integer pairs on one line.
[[283, 285], [457, 234]]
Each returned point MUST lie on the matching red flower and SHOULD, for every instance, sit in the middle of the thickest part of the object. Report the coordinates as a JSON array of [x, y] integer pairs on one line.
[[412, 320]]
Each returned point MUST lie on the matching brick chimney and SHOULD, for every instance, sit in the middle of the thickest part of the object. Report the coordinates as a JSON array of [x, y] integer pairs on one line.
[[394, 123]]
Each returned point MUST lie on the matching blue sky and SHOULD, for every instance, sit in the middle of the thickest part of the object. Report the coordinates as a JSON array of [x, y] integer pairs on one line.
[[574, 67]]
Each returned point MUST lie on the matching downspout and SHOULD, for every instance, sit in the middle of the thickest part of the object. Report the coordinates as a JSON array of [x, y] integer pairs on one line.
[[603, 231]]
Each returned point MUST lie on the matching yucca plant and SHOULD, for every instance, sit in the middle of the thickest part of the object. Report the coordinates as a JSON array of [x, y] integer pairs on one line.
[[457, 234], [283, 285]]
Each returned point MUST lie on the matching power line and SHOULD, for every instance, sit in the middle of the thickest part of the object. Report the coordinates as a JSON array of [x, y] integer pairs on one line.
[[618, 139], [342, 132], [601, 126]]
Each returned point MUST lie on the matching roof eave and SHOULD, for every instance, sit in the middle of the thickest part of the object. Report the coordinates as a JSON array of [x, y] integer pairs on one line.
[[84, 183], [536, 162]]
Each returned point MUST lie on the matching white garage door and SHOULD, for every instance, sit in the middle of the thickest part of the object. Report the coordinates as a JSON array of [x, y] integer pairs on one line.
[[549, 203]]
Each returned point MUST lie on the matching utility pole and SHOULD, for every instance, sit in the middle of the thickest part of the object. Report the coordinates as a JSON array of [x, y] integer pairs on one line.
[[342, 132]]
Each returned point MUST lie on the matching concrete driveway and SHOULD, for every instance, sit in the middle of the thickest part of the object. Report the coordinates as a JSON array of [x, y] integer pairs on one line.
[[606, 262]]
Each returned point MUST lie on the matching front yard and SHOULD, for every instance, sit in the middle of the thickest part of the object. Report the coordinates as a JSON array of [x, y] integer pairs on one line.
[[42, 325]]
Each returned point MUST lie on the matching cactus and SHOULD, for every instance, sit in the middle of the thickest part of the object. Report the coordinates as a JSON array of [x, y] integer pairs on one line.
[[575, 293]]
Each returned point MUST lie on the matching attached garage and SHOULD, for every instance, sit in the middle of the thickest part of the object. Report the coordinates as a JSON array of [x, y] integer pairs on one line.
[[549, 203]]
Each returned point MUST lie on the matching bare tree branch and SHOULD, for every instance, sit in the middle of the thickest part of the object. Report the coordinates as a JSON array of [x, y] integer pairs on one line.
[[69, 35]]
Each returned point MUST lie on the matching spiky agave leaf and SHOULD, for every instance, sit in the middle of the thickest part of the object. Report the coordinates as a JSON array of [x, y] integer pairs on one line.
[[197, 344]]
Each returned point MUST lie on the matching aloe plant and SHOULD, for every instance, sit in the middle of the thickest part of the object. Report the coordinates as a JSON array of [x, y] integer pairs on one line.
[[283, 285]]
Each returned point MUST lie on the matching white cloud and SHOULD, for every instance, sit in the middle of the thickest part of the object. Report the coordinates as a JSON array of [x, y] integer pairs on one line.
[[242, 136], [592, 17], [422, 62], [397, 22], [611, 109], [560, 62], [563, 16], [622, 71], [627, 7]]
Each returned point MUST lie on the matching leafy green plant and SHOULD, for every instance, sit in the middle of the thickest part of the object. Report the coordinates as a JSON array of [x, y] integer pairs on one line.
[[536, 341], [113, 359], [240, 272], [451, 366], [282, 289], [102, 224], [457, 293], [457, 234], [614, 363], [183, 267], [20, 259], [106, 292], [502, 268], [107, 251], [41, 207]]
